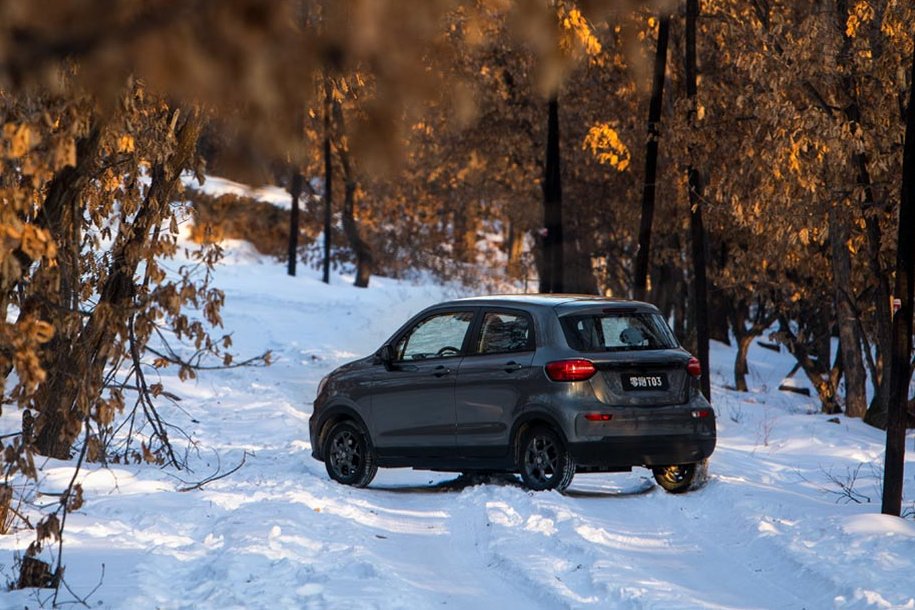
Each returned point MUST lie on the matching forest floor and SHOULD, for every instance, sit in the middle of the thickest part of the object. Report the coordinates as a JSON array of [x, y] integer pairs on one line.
[[788, 519]]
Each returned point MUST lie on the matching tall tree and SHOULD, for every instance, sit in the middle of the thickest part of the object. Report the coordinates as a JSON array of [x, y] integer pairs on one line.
[[551, 279], [840, 236], [295, 192], [846, 319], [358, 244], [901, 371], [697, 229], [328, 179], [642, 260]]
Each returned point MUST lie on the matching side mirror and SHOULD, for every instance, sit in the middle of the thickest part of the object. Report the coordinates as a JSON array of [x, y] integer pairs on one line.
[[386, 355]]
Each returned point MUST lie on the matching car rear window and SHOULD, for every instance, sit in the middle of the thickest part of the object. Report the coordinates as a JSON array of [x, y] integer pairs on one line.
[[617, 332]]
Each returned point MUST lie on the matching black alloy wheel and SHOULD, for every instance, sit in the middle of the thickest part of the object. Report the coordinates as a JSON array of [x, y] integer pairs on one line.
[[347, 455], [545, 462]]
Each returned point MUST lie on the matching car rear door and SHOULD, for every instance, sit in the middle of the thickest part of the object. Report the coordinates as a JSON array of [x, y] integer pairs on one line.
[[413, 399], [492, 382]]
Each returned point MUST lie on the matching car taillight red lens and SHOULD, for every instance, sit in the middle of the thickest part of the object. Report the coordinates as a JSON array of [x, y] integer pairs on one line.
[[598, 416], [694, 367], [701, 413], [570, 370]]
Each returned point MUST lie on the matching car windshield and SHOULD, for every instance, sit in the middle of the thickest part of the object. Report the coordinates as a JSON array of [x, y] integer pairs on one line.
[[617, 332]]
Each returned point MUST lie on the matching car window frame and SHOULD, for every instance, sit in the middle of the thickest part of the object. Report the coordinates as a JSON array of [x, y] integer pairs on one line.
[[412, 324], [478, 329]]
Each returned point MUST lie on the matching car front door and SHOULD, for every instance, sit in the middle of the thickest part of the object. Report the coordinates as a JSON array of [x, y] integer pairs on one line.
[[491, 386], [413, 396]]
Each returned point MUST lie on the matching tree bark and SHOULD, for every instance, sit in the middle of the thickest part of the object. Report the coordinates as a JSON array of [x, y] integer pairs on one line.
[[466, 228], [849, 342], [697, 229], [811, 357], [741, 370], [642, 258], [718, 306], [578, 272], [295, 190], [901, 370], [739, 318], [361, 248], [514, 245], [328, 181], [552, 279]]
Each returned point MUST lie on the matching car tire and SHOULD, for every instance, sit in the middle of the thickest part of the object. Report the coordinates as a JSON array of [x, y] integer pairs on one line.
[[348, 456], [544, 461], [676, 478]]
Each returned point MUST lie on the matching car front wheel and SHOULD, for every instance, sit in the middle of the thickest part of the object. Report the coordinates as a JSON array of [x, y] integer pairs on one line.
[[545, 462], [348, 456]]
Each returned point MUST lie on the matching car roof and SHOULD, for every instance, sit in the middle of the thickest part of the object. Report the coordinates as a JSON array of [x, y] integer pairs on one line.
[[564, 301]]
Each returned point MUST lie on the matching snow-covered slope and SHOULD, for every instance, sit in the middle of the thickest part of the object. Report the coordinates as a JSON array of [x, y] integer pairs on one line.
[[767, 531]]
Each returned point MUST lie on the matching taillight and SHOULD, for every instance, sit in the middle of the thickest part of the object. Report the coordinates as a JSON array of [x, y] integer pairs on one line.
[[570, 370], [701, 413], [598, 416], [694, 367]]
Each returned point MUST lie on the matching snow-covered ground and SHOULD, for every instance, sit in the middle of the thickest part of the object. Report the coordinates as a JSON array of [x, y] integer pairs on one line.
[[771, 528]]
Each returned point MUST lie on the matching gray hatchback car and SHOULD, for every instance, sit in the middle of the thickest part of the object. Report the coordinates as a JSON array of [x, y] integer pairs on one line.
[[543, 385]]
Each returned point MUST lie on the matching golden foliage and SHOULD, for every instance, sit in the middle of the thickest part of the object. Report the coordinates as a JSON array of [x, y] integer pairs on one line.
[[579, 35], [861, 13], [607, 147], [17, 140]]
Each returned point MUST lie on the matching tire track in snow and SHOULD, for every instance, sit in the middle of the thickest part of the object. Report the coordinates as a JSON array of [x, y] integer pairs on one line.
[[659, 551], [748, 570]]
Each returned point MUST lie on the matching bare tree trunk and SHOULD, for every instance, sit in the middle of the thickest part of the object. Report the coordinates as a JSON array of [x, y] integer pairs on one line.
[[849, 342], [466, 226], [718, 306], [741, 370], [876, 413], [760, 321], [514, 249], [812, 359], [552, 279], [578, 275], [697, 229], [328, 180], [361, 248], [901, 371], [295, 190], [668, 287], [640, 282]]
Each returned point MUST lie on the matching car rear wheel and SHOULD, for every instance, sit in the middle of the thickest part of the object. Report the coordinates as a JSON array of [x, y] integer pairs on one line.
[[348, 456], [675, 479], [545, 462]]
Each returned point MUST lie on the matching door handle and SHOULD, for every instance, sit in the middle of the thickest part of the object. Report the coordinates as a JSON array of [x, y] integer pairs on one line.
[[511, 367], [441, 370]]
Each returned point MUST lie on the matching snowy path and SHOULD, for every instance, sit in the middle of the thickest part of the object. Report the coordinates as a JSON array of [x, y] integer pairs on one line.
[[278, 534]]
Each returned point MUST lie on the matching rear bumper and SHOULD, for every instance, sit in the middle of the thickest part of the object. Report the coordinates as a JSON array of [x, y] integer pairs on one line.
[[624, 452]]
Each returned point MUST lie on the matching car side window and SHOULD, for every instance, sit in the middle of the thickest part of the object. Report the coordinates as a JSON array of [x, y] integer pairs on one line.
[[439, 336], [503, 332]]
